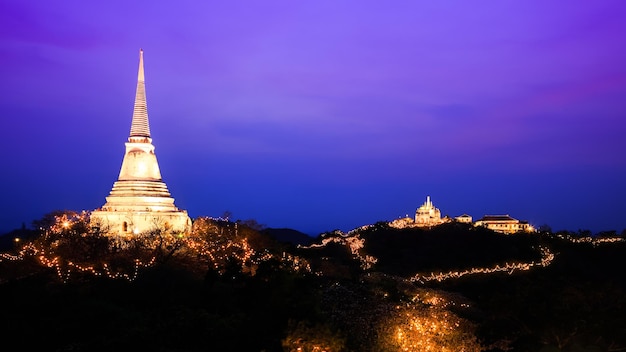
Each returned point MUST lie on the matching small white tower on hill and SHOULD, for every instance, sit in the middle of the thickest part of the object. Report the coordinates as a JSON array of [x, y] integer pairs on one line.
[[427, 214]]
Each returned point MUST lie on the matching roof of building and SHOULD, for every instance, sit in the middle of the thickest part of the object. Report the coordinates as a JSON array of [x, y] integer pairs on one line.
[[505, 217]]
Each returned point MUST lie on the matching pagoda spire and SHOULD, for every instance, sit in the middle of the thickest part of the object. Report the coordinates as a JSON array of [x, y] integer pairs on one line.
[[140, 126]]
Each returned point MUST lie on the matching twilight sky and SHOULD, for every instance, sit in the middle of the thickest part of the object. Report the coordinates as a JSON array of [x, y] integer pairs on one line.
[[320, 115]]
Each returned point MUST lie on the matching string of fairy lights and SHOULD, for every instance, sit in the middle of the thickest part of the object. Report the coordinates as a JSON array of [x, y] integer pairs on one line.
[[223, 242], [217, 241], [65, 268], [595, 241], [213, 240], [356, 244], [430, 330], [546, 259], [432, 299]]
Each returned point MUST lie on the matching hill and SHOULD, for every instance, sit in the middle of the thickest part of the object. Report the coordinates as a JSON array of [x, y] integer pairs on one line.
[[231, 287], [288, 235]]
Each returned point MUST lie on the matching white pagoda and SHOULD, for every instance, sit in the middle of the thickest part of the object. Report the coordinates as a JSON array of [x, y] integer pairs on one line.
[[140, 201], [427, 214]]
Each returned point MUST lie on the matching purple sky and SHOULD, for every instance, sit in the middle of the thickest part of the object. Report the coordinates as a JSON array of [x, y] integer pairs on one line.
[[319, 115]]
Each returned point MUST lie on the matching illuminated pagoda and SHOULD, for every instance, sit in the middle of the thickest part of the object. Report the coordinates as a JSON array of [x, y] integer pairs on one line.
[[140, 201], [427, 214]]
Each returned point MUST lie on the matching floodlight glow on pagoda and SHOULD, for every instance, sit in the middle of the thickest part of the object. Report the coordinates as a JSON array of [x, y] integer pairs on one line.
[[140, 201]]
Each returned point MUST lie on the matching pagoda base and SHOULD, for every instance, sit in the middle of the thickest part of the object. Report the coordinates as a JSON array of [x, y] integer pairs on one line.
[[112, 222]]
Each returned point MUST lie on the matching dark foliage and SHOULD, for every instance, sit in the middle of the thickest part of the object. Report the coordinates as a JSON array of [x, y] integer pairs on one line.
[[182, 304], [576, 304], [451, 246], [166, 309]]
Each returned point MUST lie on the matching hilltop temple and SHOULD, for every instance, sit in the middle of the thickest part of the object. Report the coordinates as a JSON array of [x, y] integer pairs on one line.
[[140, 201], [427, 214]]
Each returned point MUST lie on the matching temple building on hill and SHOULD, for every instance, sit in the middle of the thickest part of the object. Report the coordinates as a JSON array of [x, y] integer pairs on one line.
[[504, 224], [140, 201], [427, 214]]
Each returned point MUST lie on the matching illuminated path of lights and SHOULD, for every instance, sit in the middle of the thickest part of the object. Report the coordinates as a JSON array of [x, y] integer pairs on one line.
[[595, 241], [546, 259], [356, 245]]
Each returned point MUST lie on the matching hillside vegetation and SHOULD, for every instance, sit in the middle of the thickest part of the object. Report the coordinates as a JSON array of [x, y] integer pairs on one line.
[[232, 286]]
